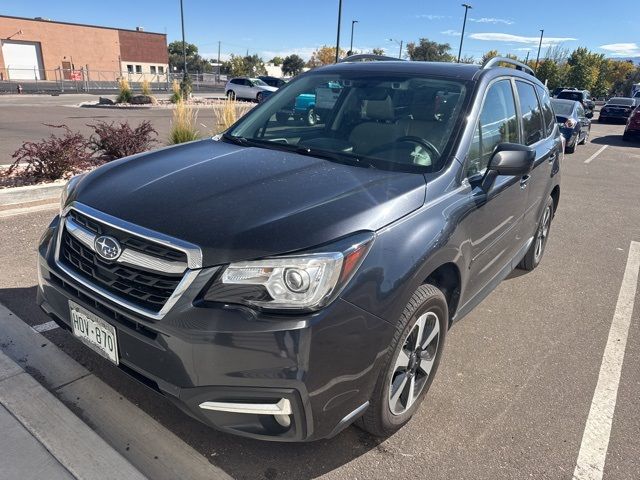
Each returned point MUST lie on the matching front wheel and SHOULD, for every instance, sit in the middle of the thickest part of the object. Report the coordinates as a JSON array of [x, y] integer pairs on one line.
[[259, 97], [536, 250], [586, 137], [231, 95], [410, 364], [311, 118]]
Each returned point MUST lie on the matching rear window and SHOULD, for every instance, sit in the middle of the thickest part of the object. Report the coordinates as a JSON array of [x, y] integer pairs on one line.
[[577, 96], [563, 108], [621, 101]]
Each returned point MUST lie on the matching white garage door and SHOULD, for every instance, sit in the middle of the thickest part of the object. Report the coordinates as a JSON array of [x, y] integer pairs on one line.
[[22, 60]]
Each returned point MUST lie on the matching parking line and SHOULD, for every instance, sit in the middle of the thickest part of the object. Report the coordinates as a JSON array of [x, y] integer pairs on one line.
[[45, 327], [595, 440], [592, 157]]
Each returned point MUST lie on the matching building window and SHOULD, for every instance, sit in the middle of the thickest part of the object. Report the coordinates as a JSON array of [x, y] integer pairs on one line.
[[138, 68], [130, 68], [153, 69], [160, 69]]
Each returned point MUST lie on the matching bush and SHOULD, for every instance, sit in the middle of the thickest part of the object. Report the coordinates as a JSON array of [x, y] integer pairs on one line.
[[183, 125], [146, 87], [52, 158], [231, 111], [186, 86], [176, 95], [125, 91], [116, 141]]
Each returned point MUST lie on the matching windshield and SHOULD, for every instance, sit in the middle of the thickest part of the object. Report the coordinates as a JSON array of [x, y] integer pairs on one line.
[[382, 121], [258, 82], [621, 101], [563, 108]]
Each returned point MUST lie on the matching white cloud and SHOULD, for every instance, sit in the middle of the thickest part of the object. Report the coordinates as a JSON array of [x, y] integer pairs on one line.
[[304, 52], [431, 17], [451, 33], [622, 49], [524, 49], [492, 20], [507, 37]]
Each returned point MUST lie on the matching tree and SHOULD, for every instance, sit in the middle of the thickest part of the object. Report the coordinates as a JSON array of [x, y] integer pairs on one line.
[[277, 61], [292, 65], [488, 56], [467, 59], [377, 51], [248, 66], [324, 56], [429, 51], [195, 63], [549, 71], [584, 68]]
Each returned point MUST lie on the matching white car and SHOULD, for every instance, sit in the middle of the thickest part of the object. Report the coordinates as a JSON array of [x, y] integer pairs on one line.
[[248, 88]]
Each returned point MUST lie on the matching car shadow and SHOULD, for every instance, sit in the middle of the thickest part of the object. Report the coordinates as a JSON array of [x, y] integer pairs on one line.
[[615, 141], [241, 458]]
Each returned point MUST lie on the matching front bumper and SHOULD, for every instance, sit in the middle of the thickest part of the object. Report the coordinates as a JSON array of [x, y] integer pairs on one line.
[[323, 364]]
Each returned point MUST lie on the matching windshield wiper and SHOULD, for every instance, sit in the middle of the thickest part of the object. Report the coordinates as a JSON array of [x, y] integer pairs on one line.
[[235, 140], [342, 157]]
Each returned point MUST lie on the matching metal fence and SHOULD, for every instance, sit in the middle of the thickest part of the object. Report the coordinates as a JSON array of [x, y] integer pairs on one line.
[[59, 80]]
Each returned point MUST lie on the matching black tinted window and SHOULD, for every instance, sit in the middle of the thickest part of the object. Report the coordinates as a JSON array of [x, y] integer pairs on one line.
[[532, 128], [236, 81], [547, 110], [577, 96], [497, 124]]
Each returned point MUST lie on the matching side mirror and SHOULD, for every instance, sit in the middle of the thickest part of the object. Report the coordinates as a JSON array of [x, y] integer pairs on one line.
[[509, 159], [589, 114]]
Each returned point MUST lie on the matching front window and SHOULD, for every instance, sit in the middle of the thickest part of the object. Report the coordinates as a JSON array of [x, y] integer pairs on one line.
[[393, 121], [258, 83]]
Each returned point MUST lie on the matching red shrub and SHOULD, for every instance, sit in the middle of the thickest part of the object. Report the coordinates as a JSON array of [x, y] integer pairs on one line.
[[111, 141]]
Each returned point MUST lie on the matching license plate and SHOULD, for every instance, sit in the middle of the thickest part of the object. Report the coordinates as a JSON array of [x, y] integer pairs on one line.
[[94, 332]]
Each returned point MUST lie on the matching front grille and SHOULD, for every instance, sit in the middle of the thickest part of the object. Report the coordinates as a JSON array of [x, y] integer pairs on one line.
[[145, 289]]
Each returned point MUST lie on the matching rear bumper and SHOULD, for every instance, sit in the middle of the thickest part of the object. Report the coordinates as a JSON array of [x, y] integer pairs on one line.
[[322, 365]]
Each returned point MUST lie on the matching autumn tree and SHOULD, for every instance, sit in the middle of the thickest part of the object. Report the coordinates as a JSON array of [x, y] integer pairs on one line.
[[429, 51], [488, 56], [324, 56]]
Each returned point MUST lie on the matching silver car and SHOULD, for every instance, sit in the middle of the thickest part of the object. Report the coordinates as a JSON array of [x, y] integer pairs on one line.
[[248, 88]]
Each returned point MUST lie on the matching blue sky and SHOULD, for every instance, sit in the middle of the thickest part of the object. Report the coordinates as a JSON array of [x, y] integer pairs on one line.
[[281, 27]]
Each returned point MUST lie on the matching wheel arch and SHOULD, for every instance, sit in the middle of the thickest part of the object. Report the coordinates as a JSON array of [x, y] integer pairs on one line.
[[555, 195], [447, 278]]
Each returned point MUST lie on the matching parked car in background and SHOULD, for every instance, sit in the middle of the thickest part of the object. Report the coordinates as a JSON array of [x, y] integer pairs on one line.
[[283, 281], [574, 122], [557, 90], [617, 108], [248, 88], [582, 96], [309, 106], [272, 81], [632, 129]]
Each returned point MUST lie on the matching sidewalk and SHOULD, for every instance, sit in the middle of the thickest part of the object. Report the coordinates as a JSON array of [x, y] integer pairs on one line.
[[42, 438]]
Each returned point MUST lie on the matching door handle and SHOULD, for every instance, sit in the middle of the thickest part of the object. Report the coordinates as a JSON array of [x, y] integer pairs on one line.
[[552, 157], [524, 181]]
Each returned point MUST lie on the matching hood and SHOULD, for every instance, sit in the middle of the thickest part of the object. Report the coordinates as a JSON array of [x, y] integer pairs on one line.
[[240, 203], [267, 88]]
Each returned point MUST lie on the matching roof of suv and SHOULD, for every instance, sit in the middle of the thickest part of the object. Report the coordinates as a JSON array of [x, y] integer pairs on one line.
[[461, 71]]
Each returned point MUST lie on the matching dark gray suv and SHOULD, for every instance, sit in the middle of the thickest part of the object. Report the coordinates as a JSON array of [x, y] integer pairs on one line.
[[284, 280]]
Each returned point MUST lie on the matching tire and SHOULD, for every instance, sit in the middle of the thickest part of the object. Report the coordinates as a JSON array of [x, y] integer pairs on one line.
[[231, 95], [602, 119], [386, 412], [310, 118], [571, 148], [532, 259], [586, 137], [259, 97]]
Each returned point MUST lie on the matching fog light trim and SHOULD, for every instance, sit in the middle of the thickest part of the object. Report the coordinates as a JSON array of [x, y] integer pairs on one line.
[[283, 407]]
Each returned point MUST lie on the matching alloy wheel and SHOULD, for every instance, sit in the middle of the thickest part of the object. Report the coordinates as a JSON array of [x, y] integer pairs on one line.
[[542, 233], [414, 363]]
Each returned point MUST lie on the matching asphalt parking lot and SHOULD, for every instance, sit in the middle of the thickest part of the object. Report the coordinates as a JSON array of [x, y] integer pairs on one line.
[[513, 394]]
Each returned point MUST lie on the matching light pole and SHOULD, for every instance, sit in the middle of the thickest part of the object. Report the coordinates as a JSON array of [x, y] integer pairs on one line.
[[398, 43], [353, 22], [464, 24], [184, 45], [338, 36], [539, 47]]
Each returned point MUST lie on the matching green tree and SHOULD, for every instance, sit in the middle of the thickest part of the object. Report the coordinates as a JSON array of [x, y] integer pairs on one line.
[[195, 63], [549, 71], [488, 56], [277, 61], [377, 51], [429, 51], [584, 68], [292, 65]]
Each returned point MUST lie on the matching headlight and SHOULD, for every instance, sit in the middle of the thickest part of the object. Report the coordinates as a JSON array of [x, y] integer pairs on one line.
[[68, 188], [305, 282]]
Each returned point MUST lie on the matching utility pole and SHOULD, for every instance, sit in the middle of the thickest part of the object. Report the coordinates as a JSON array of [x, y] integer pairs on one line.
[[464, 24], [219, 60], [184, 45], [399, 43], [338, 37], [539, 47], [353, 22]]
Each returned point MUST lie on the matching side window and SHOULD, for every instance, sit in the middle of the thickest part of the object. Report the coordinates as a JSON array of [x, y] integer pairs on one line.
[[497, 124], [580, 111], [531, 114], [236, 81], [547, 109]]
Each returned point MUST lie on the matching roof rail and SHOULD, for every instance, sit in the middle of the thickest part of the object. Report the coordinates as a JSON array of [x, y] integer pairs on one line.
[[365, 57], [495, 61]]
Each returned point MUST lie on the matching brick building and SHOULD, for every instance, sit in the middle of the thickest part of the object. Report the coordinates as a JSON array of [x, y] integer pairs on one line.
[[42, 49]]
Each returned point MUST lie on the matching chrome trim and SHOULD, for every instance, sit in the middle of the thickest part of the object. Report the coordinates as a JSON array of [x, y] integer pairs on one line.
[[283, 407], [128, 256], [194, 259]]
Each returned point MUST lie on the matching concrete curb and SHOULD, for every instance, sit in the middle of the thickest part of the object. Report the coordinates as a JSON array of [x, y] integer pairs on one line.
[[78, 448], [31, 193], [151, 448]]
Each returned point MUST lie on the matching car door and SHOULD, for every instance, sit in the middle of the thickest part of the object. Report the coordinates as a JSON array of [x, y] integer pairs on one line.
[[538, 131], [583, 121], [493, 226]]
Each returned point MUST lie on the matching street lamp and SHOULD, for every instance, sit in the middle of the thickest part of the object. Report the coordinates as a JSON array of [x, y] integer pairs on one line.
[[338, 36], [397, 43], [184, 45], [539, 47], [464, 24], [353, 22]]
